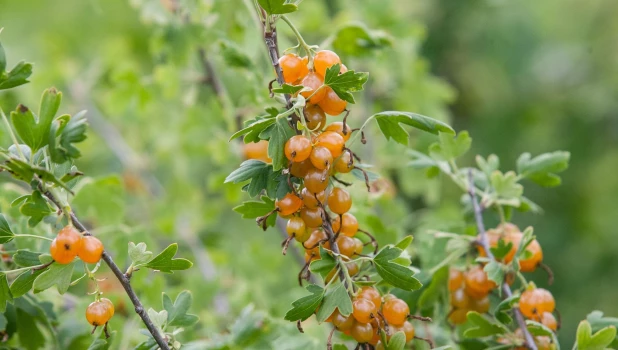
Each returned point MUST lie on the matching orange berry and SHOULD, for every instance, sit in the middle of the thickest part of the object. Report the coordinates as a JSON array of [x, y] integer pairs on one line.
[[257, 150], [459, 299], [99, 312], [342, 322], [65, 247], [530, 264], [313, 81], [371, 294], [362, 332], [296, 227], [345, 163], [349, 227], [293, 68], [311, 244], [312, 217], [549, 321], [363, 310], [325, 59], [316, 180], [331, 103], [297, 148], [534, 302], [339, 201], [321, 158], [289, 204], [455, 279], [477, 284], [338, 128], [311, 200], [480, 305], [347, 245], [315, 117], [331, 140], [458, 316], [408, 330], [90, 250], [395, 311], [300, 169]]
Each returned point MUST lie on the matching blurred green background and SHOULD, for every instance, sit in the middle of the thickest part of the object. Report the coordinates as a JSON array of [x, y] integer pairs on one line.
[[521, 76]]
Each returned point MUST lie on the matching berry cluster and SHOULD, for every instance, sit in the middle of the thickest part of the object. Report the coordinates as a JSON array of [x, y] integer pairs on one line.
[[469, 291], [70, 243], [371, 315], [510, 233]]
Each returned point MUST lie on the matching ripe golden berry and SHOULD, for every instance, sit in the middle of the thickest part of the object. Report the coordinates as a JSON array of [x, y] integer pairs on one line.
[[371, 294], [289, 204], [349, 227], [480, 305], [530, 264], [257, 150], [330, 103], [312, 217], [344, 163], [311, 200], [315, 117], [458, 316], [293, 67], [99, 312], [90, 250], [339, 201], [316, 180], [395, 311], [459, 299], [313, 81], [362, 332], [534, 302], [311, 244], [331, 140], [342, 322], [321, 158], [65, 247], [455, 279], [347, 245], [296, 227], [363, 310], [549, 321], [323, 60], [477, 284], [297, 148], [300, 169], [338, 128]]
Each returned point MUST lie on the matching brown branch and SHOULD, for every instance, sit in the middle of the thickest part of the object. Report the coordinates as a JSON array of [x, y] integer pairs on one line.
[[478, 215], [124, 280]]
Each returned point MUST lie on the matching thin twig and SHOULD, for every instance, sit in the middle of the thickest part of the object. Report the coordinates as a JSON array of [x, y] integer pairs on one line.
[[124, 281], [478, 215]]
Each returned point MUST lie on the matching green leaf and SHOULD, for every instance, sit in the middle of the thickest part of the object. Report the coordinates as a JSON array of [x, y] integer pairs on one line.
[[24, 171], [165, 261], [35, 207], [64, 132], [389, 121], [482, 326], [288, 89], [6, 234], [26, 258], [502, 310], [277, 7], [336, 297], [234, 56], [355, 39], [344, 84], [597, 341], [598, 321], [177, 312], [259, 173], [159, 318], [324, 265], [253, 128], [15, 77], [405, 242], [24, 282], [542, 169], [29, 333], [255, 209], [397, 275], [501, 249], [5, 293], [495, 272], [32, 130], [397, 342], [449, 147], [138, 253], [304, 307], [434, 289], [506, 188], [278, 134], [489, 165], [58, 275], [2, 60]]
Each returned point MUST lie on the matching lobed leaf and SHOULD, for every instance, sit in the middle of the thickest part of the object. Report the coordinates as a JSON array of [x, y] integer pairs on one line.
[[395, 274], [304, 307], [336, 297], [277, 7], [389, 123], [165, 261], [344, 84]]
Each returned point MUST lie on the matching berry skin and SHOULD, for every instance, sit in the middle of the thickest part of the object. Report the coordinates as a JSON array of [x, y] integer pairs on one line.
[[352, 269], [534, 302], [293, 67], [331, 103], [311, 200], [338, 128], [455, 279], [297, 148], [458, 316], [289, 204], [349, 227], [459, 299], [90, 250], [347, 245], [321, 158], [331, 140], [342, 323], [313, 81], [99, 312], [300, 169], [530, 264], [359, 246], [362, 332], [549, 321], [363, 310], [316, 180], [315, 117], [480, 305], [344, 163], [296, 227], [395, 311], [257, 150], [325, 59], [311, 244], [372, 295], [312, 217], [408, 330], [66, 245], [339, 201], [477, 283]]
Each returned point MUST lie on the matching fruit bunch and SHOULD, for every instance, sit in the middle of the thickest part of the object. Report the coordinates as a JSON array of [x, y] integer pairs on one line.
[[469, 291], [510, 233], [70, 243], [371, 315], [99, 312]]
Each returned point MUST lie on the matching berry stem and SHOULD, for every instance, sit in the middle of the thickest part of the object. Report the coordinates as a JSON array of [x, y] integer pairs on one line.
[[478, 215], [124, 281], [12, 133], [301, 41]]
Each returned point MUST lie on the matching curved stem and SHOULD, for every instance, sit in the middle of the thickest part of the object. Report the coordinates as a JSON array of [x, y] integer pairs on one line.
[[28, 236], [124, 281], [478, 215], [301, 41]]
